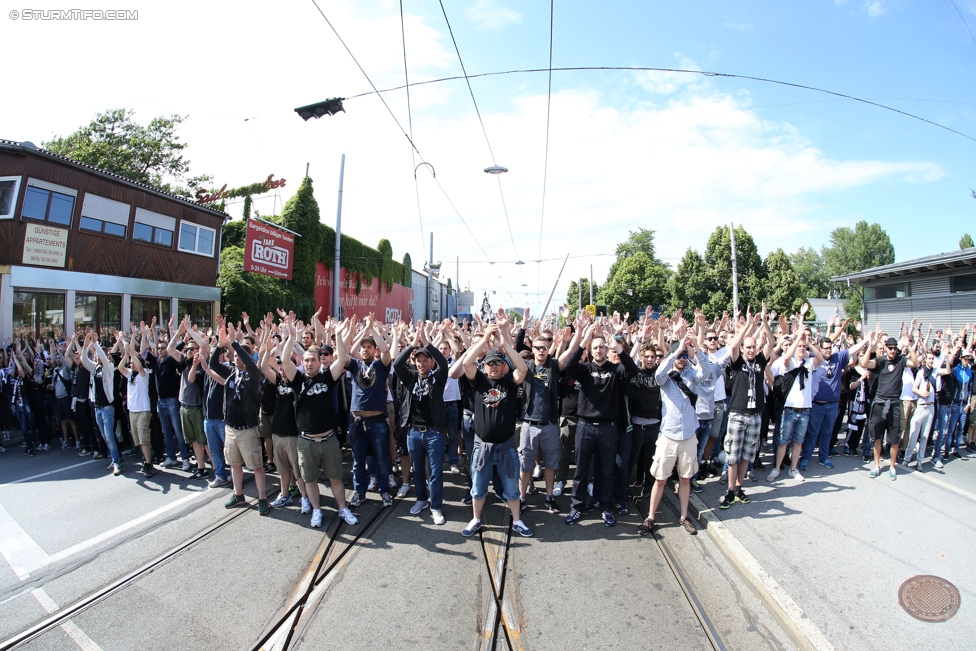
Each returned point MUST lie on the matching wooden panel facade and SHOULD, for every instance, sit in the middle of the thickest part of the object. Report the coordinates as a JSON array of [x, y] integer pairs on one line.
[[106, 254]]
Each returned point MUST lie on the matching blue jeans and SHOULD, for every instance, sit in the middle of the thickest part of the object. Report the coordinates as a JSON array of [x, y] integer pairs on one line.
[[215, 441], [704, 431], [169, 418], [427, 447], [820, 430], [24, 418], [954, 433], [467, 437], [940, 429], [480, 478], [105, 417], [451, 412], [376, 436]]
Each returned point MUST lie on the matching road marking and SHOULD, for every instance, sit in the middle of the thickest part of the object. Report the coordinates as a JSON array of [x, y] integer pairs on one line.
[[69, 627], [18, 548], [761, 579], [945, 485], [45, 474], [102, 537]]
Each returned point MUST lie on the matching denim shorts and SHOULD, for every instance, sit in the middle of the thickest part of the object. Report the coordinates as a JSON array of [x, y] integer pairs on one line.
[[481, 478], [793, 427]]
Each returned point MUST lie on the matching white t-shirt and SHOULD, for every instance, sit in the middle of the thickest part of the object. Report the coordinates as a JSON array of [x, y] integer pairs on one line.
[[137, 391], [907, 381], [798, 398]]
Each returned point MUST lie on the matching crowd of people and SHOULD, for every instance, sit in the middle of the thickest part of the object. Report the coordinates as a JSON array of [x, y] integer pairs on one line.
[[621, 403]]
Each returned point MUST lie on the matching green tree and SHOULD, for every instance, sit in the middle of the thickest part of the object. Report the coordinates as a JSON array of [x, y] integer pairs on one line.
[[966, 241], [636, 281], [688, 285], [809, 267], [864, 247], [639, 241], [718, 263], [783, 291], [151, 154], [572, 295], [253, 293]]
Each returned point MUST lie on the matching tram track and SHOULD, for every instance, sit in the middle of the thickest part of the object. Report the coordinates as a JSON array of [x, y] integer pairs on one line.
[[500, 614]]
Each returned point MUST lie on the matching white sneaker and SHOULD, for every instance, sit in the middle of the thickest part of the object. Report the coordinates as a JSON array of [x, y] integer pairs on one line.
[[306, 505], [455, 470], [392, 483], [404, 489], [438, 516], [557, 489], [537, 472], [317, 518], [186, 466], [170, 462], [347, 516], [116, 469], [773, 474], [372, 484], [419, 506], [795, 474], [284, 499]]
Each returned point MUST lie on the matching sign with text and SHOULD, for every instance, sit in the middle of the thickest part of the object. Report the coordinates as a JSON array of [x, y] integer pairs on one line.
[[45, 245], [390, 306], [268, 250]]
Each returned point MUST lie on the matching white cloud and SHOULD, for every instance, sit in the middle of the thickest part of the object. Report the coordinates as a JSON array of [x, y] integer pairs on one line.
[[666, 83], [875, 8], [491, 15], [738, 25]]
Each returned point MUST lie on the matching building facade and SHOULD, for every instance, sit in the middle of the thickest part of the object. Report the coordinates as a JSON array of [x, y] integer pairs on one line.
[[82, 247], [937, 289]]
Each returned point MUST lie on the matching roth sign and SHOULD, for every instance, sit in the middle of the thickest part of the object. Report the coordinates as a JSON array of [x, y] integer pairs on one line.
[[268, 250]]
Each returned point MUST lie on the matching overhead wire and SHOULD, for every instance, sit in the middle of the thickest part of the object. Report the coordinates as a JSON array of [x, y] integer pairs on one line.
[[413, 157], [545, 164], [482, 122], [695, 72], [963, 21]]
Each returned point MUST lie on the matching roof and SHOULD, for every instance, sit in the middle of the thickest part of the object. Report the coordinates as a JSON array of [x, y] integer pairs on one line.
[[938, 262], [31, 148]]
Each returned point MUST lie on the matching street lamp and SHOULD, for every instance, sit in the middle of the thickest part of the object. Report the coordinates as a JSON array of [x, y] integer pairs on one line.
[[496, 169]]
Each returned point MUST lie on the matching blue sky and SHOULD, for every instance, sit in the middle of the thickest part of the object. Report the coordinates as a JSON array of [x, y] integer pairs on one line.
[[677, 153]]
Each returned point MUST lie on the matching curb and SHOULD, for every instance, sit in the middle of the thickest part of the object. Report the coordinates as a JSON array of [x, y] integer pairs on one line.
[[786, 611]]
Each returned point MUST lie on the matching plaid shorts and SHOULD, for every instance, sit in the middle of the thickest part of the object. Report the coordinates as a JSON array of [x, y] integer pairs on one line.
[[742, 437]]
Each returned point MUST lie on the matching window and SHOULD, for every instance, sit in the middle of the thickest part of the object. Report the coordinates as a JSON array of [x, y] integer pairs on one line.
[[101, 215], [99, 313], [9, 185], [145, 308], [48, 206], [37, 314], [893, 290], [200, 312], [197, 239], [963, 283], [153, 228]]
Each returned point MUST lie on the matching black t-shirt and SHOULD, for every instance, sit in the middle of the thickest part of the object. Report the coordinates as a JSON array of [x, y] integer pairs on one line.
[[368, 384], [743, 398], [889, 374], [269, 396], [568, 396], [314, 402], [538, 408], [283, 421], [495, 406], [420, 414], [167, 376]]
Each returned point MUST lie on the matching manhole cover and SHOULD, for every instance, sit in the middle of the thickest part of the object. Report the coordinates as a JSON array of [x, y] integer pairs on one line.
[[929, 598]]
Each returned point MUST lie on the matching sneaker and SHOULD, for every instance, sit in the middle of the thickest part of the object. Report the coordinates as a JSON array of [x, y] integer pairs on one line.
[[803, 466], [727, 500], [110, 466], [97, 455], [392, 483], [466, 498], [740, 496], [473, 527], [455, 470], [865, 459], [284, 499], [622, 508], [2, 449], [537, 472], [217, 482], [117, 469], [294, 492], [234, 500], [531, 490], [689, 527], [551, 505], [646, 527], [557, 490], [589, 489], [608, 519], [696, 487], [347, 516], [591, 505], [64, 445], [759, 465], [270, 467], [199, 473], [848, 452], [404, 489], [437, 516], [938, 464], [522, 529], [827, 464], [773, 475], [372, 484], [356, 500], [316, 518], [875, 472], [832, 452], [170, 462], [574, 516], [751, 475], [419, 506], [387, 500], [263, 507], [918, 466], [186, 466], [795, 474], [131, 452], [892, 473]]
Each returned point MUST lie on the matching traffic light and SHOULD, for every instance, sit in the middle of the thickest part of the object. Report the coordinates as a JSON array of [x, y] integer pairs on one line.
[[328, 107]]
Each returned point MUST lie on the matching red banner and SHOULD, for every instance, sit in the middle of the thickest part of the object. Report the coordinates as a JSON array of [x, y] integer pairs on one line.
[[268, 250], [388, 306]]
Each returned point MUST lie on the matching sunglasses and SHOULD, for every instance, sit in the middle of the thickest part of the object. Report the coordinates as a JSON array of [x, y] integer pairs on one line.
[[711, 338], [540, 348], [495, 362], [682, 356], [660, 356]]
